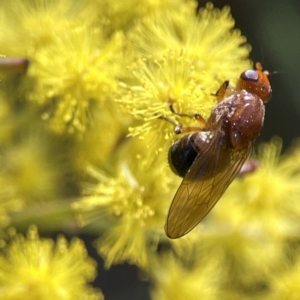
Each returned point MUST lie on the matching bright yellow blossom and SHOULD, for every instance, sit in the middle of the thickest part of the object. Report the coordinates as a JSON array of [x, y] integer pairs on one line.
[[133, 203], [180, 61], [105, 122], [84, 77], [30, 170], [270, 195], [285, 282], [102, 67], [25, 170], [254, 225], [74, 66], [122, 15], [207, 38], [30, 25], [164, 82], [184, 279], [38, 269]]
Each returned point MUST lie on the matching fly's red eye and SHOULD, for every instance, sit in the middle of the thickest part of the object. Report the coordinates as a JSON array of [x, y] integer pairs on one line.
[[249, 75]]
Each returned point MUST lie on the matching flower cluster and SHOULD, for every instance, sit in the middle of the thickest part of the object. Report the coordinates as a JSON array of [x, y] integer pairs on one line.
[[85, 132], [42, 269]]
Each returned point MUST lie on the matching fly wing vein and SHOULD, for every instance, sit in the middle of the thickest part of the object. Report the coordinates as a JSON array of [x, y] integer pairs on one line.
[[196, 197]]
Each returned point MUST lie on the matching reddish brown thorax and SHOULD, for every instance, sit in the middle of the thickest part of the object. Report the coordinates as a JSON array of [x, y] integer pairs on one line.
[[241, 115]]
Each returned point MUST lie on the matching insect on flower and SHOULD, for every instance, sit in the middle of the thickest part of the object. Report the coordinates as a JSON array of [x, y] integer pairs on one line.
[[210, 157]]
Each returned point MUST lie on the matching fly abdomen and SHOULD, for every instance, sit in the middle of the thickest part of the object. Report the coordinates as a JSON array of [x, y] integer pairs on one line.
[[184, 151]]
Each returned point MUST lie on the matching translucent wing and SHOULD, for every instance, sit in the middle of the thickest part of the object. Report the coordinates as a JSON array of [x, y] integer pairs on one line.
[[211, 173]]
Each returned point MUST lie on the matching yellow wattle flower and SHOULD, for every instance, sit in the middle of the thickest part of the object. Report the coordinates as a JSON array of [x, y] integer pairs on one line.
[[199, 280], [97, 68], [85, 79], [41, 269], [178, 59], [133, 201], [270, 193]]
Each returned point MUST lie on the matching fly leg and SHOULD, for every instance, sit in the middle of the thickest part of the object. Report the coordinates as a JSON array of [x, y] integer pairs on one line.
[[220, 94], [179, 128]]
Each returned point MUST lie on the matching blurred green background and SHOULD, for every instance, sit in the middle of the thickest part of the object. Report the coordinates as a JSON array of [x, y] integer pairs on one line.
[[272, 27]]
